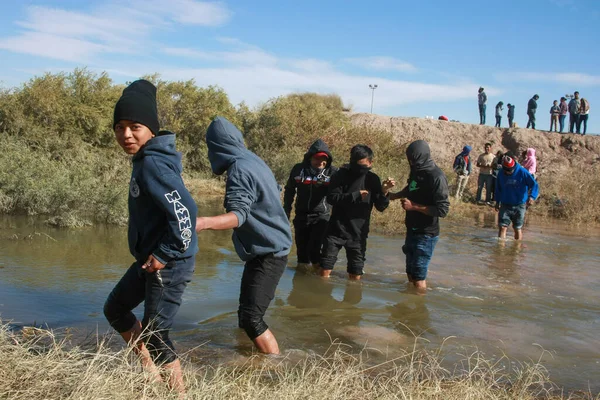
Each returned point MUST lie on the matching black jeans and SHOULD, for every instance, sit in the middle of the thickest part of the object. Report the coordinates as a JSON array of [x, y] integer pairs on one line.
[[573, 122], [161, 293], [309, 240], [484, 181], [531, 121], [498, 121], [355, 253], [259, 281], [510, 122]]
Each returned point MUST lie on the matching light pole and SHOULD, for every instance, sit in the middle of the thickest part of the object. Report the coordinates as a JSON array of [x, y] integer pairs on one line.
[[372, 87]]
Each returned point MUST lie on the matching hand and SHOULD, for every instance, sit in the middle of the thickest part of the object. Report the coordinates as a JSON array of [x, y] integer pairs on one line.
[[200, 224], [364, 194], [387, 185], [406, 204], [530, 201], [152, 265]]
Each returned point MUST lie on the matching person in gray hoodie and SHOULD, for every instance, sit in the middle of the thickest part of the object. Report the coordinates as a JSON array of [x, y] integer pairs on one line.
[[261, 231], [162, 238]]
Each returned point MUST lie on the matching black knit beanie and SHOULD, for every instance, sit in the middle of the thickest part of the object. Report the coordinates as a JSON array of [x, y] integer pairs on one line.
[[138, 104]]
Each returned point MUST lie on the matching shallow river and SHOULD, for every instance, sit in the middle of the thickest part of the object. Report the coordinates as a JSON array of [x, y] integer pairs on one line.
[[501, 297]]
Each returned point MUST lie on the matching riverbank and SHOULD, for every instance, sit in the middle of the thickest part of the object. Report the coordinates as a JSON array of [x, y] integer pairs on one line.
[[37, 363]]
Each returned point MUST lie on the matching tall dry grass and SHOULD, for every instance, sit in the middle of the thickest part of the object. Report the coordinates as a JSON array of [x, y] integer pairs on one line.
[[38, 364]]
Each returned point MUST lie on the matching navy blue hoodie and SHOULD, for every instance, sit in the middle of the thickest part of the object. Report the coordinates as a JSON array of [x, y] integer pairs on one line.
[[252, 194], [162, 213]]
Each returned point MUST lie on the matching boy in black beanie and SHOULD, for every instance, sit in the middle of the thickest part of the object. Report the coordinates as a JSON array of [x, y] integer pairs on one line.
[[162, 237]]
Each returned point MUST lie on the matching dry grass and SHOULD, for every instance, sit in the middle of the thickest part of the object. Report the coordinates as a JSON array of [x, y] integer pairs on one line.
[[36, 364]]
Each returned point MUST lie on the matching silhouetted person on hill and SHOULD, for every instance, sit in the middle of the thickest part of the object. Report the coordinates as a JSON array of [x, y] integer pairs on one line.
[[584, 111], [499, 109], [574, 112], [511, 114], [531, 110], [481, 101], [554, 116], [564, 109]]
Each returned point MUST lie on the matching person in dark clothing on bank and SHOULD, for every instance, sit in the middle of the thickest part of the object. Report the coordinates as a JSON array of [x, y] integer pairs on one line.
[[531, 110], [309, 182], [261, 231], [425, 199], [353, 192]]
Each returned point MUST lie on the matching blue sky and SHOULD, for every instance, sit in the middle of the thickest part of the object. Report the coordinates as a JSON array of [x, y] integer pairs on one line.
[[427, 57]]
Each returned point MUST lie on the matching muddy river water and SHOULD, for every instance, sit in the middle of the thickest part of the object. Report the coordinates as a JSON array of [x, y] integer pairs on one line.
[[497, 296]]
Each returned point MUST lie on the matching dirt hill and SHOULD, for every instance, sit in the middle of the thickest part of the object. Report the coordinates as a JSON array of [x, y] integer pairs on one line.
[[556, 153]]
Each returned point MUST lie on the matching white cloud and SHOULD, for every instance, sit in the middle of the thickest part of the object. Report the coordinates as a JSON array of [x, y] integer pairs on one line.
[[52, 46], [243, 57], [113, 28], [382, 64], [562, 77], [189, 11]]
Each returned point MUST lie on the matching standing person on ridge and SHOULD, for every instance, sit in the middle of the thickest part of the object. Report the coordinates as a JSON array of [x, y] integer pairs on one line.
[[481, 101], [574, 112], [531, 110], [162, 239], [425, 199], [462, 167], [511, 114], [499, 109], [485, 163], [554, 116], [353, 193], [261, 231], [584, 111], [516, 189], [564, 109], [309, 182]]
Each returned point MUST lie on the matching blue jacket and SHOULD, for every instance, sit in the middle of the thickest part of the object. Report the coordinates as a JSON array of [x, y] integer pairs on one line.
[[252, 194], [516, 188], [162, 213]]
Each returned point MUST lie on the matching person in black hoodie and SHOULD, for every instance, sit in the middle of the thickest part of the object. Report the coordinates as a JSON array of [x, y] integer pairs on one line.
[[162, 237], [425, 199], [309, 182], [353, 192]]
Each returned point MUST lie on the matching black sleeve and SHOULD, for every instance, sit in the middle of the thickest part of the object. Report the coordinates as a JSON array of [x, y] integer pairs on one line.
[[336, 193], [380, 201], [441, 204], [290, 192]]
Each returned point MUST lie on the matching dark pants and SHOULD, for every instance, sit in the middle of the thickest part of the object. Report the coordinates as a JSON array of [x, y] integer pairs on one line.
[[573, 122], [531, 121], [583, 118], [482, 108], [355, 253], [510, 122], [561, 122], [259, 281], [309, 240], [161, 293], [487, 181], [493, 188], [498, 121]]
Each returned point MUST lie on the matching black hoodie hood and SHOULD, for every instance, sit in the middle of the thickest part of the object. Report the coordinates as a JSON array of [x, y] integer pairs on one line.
[[317, 147], [419, 156]]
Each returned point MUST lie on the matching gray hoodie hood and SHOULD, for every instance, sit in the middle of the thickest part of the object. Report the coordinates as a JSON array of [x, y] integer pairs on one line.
[[225, 144]]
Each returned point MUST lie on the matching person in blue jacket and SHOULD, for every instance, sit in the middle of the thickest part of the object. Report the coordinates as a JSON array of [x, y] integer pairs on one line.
[[516, 189], [261, 231], [162, 237]]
